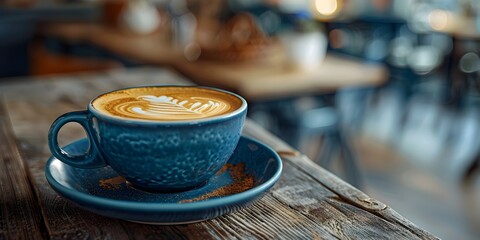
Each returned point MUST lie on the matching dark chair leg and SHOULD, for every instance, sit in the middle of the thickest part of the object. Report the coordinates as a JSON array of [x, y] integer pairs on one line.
[[472, 169], [300, 136], [352, 170], [324, 157]]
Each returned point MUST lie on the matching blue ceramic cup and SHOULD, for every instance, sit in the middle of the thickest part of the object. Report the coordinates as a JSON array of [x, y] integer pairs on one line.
[[165, 155]]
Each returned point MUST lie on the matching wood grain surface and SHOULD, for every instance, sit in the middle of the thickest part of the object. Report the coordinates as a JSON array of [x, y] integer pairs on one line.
[[20, 217], [308, 202]]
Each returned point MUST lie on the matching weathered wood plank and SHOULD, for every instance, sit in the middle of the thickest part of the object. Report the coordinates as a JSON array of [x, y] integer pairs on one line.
[[345, 192], [35, 106], [20, 217], [357, 198], [306, 195], [308, 202], [66, 221]]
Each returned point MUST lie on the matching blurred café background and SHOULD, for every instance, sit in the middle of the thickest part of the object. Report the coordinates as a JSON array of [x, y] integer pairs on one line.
[[408, 135]]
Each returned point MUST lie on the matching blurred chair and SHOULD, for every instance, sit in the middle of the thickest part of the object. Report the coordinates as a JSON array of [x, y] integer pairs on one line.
[[333, 125], [472, 104]]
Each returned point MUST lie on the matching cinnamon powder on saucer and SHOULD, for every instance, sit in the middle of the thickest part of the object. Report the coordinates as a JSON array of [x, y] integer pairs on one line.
[[242, 181], [111, 183]]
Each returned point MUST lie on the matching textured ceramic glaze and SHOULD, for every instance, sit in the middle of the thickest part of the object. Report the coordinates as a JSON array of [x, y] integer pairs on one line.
[[118, 200], [168, 158], [152, 155]]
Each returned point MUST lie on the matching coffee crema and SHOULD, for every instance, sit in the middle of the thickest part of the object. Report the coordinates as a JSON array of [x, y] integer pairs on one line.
[[166, 103]]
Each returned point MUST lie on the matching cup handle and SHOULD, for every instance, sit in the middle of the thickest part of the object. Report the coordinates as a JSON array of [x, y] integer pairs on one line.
[[92, 158]]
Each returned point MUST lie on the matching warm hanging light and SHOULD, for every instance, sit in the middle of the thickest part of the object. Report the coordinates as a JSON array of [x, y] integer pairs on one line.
[[326, 8]]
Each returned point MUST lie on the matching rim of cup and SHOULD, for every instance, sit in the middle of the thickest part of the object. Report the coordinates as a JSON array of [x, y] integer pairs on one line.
[[130, 121]]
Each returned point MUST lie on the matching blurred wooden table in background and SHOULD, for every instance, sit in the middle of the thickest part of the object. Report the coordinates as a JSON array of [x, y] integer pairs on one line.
[[258, 79]]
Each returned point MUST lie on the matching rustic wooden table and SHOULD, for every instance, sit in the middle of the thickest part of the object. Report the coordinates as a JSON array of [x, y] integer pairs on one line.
[[308, 202]]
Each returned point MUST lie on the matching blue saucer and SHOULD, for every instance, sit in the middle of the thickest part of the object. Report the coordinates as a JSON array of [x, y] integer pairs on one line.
[[253, 169]]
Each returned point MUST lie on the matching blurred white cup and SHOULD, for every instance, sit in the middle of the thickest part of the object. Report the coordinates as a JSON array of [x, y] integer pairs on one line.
[[304, 50], [141, 17]]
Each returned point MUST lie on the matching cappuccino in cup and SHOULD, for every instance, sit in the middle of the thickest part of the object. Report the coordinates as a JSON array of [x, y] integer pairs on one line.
[[166, 103], [159, 138]]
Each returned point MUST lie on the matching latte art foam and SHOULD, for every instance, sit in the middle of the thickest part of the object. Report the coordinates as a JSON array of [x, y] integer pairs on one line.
[[167, 103], [166, 107]]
